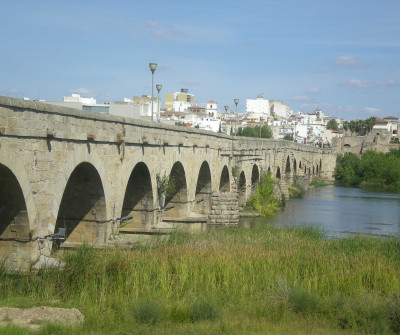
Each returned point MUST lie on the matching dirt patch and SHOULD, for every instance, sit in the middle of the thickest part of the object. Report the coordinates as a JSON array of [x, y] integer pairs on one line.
[[35, 317]]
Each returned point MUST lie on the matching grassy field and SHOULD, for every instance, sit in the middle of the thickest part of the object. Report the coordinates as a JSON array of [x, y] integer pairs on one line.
[[226, 281]]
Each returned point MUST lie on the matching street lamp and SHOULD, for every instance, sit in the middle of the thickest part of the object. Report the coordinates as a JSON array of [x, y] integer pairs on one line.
[[226, 108], [236, 101], [158, 87], [261, 120], [152, 67]]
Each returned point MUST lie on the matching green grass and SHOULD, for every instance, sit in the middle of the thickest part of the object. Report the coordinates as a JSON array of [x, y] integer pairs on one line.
[[237, 281]]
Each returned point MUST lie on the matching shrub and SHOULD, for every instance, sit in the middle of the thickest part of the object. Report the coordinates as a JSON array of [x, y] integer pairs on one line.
[[148, 312], [204, 309]]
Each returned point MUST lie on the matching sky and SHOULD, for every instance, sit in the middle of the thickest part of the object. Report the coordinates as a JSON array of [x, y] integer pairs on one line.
[[340, 56]]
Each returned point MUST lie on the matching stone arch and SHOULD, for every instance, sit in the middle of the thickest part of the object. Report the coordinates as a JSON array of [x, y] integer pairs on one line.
[[203, 193], [317, 169], [224, 184], [278, 173], [80, 155], [300, 165], [14, 220], [294, 166], [309, 171], [255, 177], [287, 168], [178, 200], [139, 198], [242, 189], [320, 164], [82, 209], [313, 169], [12, 162]]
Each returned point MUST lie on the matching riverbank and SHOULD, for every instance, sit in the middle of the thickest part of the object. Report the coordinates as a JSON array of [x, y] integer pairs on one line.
[[236, 281]]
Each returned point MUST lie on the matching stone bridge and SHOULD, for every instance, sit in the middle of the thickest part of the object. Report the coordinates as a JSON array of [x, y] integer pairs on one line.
[[79, 170]]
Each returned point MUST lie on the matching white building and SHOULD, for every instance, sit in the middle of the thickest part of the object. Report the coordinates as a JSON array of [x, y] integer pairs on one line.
[[280, 110], [77, 98], [258, 106], [212, 109]]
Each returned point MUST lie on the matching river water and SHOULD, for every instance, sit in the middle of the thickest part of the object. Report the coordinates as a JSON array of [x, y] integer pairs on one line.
[[340, 211]]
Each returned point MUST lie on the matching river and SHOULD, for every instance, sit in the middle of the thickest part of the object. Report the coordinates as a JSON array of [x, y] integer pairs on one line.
[[340, 211]]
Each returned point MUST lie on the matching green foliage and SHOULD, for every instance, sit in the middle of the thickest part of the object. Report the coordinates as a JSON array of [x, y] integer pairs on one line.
[[235, 172], [359, 126], [148, 312], [296, 190], [288, 137], [165, 184], [347, 167], [179, 123], [264, 278], [266, 131], [263, 200], [205, 309], [332, 124], [373, 169], [303, 301]]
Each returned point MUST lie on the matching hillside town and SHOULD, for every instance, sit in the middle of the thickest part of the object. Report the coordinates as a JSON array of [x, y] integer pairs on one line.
[[316, 128]]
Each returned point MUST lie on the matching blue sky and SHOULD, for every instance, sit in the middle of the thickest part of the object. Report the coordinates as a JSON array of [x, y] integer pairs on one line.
[[340, 56]]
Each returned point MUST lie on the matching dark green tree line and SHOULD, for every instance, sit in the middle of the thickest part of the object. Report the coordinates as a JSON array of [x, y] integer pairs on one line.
[[372, 169]]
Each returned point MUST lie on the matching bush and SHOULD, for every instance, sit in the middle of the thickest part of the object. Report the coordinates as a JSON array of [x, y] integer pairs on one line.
[[263, 200], [204, 309], [148, 312]]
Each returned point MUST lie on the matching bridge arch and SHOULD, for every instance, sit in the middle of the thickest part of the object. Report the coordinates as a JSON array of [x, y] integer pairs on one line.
[[224, 184], [139, 198], [82, 210], [78, 156], [287, 168], [178, 199], [242, 189], [14, 220], [255, 177], [203, 190], [294, 166], [278, 173], [10, 161]]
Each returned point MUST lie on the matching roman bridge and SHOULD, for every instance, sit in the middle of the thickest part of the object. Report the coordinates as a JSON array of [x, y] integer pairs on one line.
[[80, 170]]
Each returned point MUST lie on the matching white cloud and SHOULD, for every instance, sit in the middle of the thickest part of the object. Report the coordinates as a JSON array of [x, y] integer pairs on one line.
[[166, 33], [152, 24], [314, 90], [367, 84], [301, 98], [348, 61], [84, 91], [373, 110], [385, 83]]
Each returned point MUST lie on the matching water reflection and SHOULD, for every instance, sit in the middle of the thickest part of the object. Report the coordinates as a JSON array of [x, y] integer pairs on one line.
[[341, 211]]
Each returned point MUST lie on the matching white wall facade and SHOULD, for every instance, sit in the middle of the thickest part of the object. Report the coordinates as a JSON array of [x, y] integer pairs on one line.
[[258, 106]]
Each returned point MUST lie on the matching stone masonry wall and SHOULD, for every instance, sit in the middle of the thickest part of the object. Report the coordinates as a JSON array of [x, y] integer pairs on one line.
[[224, 209]]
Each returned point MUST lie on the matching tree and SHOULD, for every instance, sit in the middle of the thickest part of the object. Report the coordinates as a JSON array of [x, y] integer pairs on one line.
[[288, 137], [332, 124], [266, 131]]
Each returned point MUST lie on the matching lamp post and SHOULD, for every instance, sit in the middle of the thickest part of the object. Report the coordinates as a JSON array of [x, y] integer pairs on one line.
[[152, 67], [261, 120], [226, 109], [158, 87], [236, 101]]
